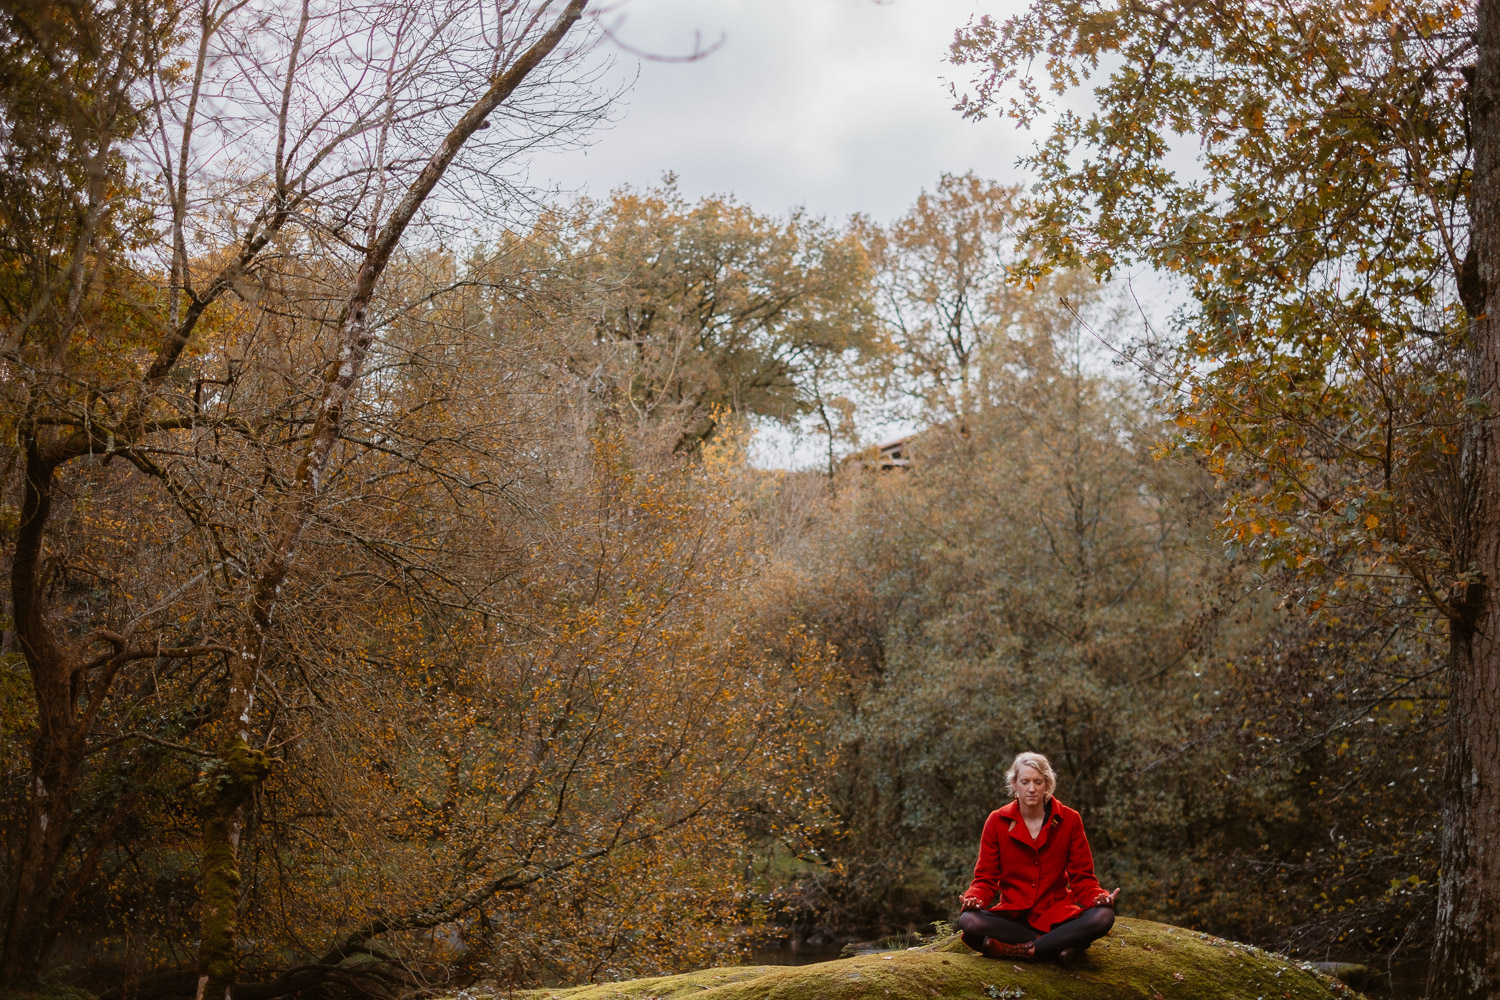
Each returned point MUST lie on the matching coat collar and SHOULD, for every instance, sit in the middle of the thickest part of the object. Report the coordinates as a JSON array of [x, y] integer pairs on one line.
[[1011, 811]]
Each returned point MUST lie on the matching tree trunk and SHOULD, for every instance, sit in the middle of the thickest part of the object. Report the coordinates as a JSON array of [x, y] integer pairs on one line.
[[223, 793], [54, 773], [57, 751], [1466, 954]]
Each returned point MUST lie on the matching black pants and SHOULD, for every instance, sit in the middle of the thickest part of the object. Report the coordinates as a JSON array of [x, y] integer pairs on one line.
[[1079, 932]]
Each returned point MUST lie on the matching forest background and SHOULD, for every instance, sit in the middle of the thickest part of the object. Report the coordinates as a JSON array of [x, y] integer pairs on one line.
[[391, 603]]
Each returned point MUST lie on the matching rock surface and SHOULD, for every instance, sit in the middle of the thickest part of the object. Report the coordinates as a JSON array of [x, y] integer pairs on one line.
[[1139, 960]]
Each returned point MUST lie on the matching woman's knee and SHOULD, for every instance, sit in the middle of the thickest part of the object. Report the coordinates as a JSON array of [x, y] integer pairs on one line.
[[1102, 918], [971, 929]]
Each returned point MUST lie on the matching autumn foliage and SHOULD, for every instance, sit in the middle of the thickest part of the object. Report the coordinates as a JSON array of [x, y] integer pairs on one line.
[[383, 617]]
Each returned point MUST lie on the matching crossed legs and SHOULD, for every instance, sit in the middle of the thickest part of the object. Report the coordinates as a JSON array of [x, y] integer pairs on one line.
[[1079, 932]]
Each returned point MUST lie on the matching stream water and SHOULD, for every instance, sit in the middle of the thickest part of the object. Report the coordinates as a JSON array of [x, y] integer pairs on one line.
[[800, 955], [1406, 981]]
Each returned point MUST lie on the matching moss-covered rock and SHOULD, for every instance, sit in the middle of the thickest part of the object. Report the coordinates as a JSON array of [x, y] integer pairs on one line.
[[1139, 960]]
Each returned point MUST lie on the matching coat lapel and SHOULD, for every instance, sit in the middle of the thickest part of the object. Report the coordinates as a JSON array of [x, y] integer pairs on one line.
[[1052, 821], [1017, 826]]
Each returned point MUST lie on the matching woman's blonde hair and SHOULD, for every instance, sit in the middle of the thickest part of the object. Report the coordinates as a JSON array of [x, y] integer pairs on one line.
[[1035, 760]]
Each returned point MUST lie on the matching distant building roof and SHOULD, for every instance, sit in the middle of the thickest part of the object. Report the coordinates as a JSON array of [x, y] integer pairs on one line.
[[893, 455]]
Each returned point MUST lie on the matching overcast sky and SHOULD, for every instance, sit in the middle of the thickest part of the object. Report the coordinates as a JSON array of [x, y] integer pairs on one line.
[[836, 106]]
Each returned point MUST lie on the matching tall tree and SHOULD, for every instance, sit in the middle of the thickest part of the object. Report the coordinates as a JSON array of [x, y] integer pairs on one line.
[[956, 320], [1467, 957], [683, 313], [1337, 369], [944, 291], [714, 306], [68, 219], [296, 152]]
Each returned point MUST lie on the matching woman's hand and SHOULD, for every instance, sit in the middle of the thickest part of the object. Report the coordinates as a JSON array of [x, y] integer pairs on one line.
[[1108, 899], [968, 903]]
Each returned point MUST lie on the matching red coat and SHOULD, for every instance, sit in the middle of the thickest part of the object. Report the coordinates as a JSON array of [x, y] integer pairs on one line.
[[1051, 880]]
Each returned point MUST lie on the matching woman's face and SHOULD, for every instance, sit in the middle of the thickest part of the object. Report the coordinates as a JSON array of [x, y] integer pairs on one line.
[[1031, 787]]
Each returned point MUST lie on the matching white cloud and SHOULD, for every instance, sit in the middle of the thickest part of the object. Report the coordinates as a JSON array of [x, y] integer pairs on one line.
[[837, 106]]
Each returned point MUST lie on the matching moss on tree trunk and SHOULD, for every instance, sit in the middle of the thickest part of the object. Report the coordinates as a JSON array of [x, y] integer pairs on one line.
[[223, 791]]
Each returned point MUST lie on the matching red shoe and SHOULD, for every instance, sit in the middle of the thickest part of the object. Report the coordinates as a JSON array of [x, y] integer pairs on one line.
[[1000, 949]]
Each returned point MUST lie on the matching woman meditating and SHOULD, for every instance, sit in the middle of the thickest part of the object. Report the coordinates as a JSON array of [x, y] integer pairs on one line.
[[1034, 893]]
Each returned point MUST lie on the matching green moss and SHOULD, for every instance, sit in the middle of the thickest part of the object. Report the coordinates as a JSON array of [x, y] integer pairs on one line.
[[220, 904], [222, 788], [1139, 960]]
